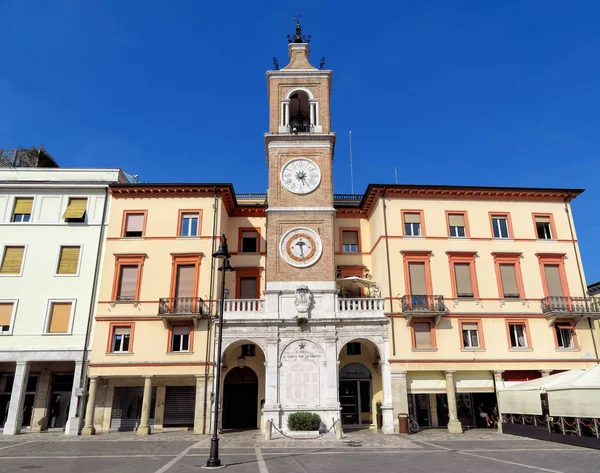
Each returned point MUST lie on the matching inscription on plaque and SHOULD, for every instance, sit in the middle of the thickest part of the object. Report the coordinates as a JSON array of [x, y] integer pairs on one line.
[[300, 372]]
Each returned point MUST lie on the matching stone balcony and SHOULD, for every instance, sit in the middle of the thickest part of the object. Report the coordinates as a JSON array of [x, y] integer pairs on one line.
[[570, 307]]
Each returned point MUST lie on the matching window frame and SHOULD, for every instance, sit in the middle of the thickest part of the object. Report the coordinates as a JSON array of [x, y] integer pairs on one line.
[[480, 337], [465, 215], [249, 353], [464, 257], [180, 215], [57, 262], [3, 254], [553, 259], [111, 333], [341, 240], [509, 258], [241, 230], [185, 259], [421, 213], [247, 272], [417, 257], [12, 215], [552, 226], [353, 344], [525, 322], [15, 303], [84, 219], [47, 318], [189, 325], [431, 332], [128, 260], [509, 225], [124, 222], [572, 326]]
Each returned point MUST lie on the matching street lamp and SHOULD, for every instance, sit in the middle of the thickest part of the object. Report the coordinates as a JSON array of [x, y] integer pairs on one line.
[[214, 461]]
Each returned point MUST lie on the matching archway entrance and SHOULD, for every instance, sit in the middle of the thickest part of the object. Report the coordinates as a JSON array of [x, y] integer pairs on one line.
[[356, 394], [240, 398]]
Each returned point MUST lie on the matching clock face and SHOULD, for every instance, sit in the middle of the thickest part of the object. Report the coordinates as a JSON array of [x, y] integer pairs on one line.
[[301, 247], [301, 176]]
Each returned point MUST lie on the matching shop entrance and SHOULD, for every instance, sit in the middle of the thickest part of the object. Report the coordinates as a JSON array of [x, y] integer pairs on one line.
[[356, 395], [240, 399], [127, 408], [62, 385]]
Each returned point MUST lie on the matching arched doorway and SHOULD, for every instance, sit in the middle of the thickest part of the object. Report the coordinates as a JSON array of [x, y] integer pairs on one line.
[[356, 394], [240, 397]]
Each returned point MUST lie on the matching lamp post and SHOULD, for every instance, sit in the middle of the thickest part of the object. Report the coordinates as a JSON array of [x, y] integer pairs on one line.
[[214, 461]]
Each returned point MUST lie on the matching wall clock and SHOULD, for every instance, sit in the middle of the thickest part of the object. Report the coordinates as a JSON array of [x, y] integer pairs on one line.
[[301, 247], [300, 176]]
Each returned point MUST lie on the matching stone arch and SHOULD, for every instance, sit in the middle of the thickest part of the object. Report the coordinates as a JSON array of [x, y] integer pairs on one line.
[[362, 338], [300, 89], [228, 343]]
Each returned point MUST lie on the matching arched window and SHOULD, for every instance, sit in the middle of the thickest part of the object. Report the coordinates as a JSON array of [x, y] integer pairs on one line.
[[299, 113]]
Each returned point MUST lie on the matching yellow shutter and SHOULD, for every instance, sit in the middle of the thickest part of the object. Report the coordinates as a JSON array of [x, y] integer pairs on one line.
[[412, 218], [60, 317], [76, 208], [456, 220], [23, 205], [13, 258], [6, 310], [69, 260]]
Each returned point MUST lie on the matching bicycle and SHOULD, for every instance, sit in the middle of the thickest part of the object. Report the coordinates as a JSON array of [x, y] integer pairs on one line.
[[413, 425]]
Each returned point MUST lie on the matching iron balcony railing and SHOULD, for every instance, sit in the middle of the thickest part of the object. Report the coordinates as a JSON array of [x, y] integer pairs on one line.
[[571, 305], [181, 306], [426, 303]]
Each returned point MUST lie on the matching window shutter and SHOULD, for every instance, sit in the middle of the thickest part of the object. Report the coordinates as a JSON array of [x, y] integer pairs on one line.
[[185, 280], [76, 208], [456, 220], [248, 288], [469, 326], [23, 205], [553, 280], [422, 334], [181, 330], [412, 218], [509, 280], [69, 260], [127, 289], [249, 234], [542, 219], [13, 259], [418, 285], [6, 310], [349, 238], [463, 278], [135, 223], [59, 317], [122, 331]]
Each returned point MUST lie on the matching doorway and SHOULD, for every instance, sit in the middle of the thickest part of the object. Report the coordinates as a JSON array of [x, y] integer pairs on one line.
[[356, 395], [240, 399], [62, 385]]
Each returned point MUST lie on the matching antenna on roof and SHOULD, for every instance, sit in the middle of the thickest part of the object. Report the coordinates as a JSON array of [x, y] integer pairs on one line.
[[351, 170], [396, 173]]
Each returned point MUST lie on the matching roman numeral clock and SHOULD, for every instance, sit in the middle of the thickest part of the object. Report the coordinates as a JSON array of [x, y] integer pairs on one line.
[[301, 247]]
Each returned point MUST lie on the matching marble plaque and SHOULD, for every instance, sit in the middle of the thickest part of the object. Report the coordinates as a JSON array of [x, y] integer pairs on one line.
[[300, 374]]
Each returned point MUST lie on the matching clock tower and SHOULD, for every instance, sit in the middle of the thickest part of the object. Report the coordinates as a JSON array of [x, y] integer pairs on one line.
[[299, 147]]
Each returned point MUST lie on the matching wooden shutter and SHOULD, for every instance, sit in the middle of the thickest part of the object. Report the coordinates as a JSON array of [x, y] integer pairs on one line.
[[418, 285], [135, 223], [422, 334], [349, 237], [13, 259], [76, 208], [69, 260], [470, 326], [185, 280], [540, 219], [122, 331], [509, 280], [23, 205], [6, 310], [248, 288], [128, 283], [462, 272], [553, 280], [456, 220], [60, 316], [412, 218]]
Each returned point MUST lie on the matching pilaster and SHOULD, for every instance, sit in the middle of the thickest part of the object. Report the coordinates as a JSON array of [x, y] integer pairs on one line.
[[17, 396], [399, 395], [73, 416], [39, 417], [454, 425]]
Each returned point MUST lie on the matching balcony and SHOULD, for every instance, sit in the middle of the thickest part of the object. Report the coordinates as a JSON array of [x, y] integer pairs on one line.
[[423, 307], [360, 307], [181, 308], [243, 308], [570, 307]]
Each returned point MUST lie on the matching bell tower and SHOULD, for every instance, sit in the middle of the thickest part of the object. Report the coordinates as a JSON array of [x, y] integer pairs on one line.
[[299, 147]]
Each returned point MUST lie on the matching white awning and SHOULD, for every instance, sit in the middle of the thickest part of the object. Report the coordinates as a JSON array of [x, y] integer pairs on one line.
[[474, 382], [426, 382]]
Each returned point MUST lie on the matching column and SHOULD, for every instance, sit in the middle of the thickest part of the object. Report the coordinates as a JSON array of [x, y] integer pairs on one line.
[[159, 412], [89, 428], [271, 409], [545, 373], [73, 416], [399, 395], [433, 410], [39, 416], [17, 396], [144, 427], [199, 408], [454, 425], [311, 107], [498, 382], [387, 408]]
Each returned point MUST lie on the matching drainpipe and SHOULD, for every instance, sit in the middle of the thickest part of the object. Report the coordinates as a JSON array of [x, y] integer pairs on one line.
[[579, 268], [93, 298], [389, 271]]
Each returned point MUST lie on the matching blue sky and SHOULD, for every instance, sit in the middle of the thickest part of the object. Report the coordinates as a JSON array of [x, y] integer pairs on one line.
[[448, 92]]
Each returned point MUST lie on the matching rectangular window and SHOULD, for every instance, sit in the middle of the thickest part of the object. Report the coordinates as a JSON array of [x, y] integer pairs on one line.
[[68, 260], [508, 275], [128, 277], [353, 348], [181, 339], [456, 225], [134, 225], [350, 241], [464, 285], [22, 210], [249, 349], [12, 260], [6, 312], [518, 335], [76, 210], [248, 288], [565, 335], [412, 224], [418, 284], [121, 339], [249, 243], [543, 227], [189, 224], [422, 334], [60, 317], [553, 281], [186, 276], [470, 335], [500, 226]]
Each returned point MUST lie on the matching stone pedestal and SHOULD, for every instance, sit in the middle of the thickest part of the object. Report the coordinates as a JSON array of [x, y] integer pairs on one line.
[[17, 396]]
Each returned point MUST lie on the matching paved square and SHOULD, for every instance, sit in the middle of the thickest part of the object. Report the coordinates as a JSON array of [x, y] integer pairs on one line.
[[248, 452]]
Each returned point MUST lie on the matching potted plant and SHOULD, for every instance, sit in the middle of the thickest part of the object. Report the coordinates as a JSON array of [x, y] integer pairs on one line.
[[303, 424], [379, 415]]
